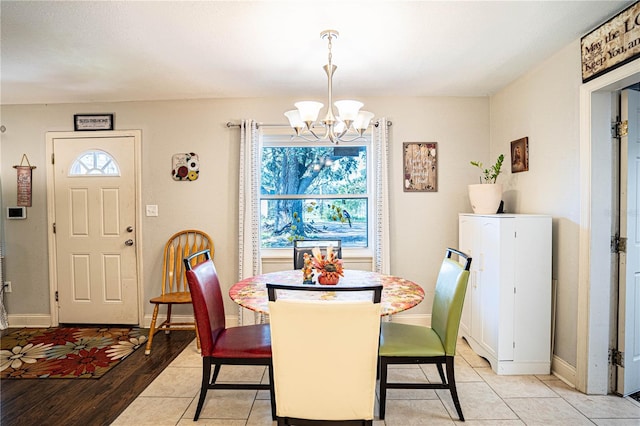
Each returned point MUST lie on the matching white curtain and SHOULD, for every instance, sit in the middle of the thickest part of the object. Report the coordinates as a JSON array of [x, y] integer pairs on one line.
[[248, 207], [4, 322], [381, 254]]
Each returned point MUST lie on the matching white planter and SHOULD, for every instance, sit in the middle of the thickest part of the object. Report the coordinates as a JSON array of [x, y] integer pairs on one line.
[[485, 197]]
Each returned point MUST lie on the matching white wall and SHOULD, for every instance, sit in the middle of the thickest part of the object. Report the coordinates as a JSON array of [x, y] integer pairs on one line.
[[422, 224], [544, 106]]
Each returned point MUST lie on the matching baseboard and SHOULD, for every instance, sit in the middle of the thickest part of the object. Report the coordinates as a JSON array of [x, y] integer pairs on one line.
[[29, 320], [563, 371], [417, 319], [231, 320], [40, 320]]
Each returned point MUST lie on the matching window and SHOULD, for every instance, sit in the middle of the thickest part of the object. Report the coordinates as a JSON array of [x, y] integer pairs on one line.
[[94, 163], [312, 190]]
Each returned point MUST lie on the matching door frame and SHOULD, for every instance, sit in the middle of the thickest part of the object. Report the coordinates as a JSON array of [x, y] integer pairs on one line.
[[53, 273], [594, 267]]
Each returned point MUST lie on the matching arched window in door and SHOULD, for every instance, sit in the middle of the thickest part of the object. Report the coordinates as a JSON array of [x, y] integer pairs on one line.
[[94, 163]]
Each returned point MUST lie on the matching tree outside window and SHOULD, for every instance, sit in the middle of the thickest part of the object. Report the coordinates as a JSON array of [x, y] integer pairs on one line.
[[314, 191]]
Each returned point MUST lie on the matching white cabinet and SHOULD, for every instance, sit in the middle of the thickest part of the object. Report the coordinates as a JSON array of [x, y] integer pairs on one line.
[[506, 316]]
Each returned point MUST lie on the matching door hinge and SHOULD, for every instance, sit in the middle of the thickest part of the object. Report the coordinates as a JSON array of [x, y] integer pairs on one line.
[[53, 158], [618, 244], [616, 357], [56, 295], [619, 129], [54, 228]]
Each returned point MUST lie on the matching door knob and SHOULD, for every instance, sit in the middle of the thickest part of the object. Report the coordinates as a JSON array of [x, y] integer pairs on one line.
[[129, 228], [128, 243]]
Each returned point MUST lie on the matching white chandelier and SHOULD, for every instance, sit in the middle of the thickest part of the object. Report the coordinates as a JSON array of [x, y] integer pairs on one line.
[[349, 115]]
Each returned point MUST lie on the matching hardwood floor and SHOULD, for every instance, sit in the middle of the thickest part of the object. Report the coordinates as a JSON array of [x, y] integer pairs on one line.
[[88, 401]]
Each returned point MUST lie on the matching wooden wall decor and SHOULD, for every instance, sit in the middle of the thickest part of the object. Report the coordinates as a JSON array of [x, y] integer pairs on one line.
[[612, 44], [24, 182], [420, 165]]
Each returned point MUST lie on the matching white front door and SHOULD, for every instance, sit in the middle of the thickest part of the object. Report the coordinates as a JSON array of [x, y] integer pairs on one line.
[[94, 193], [628, 374]]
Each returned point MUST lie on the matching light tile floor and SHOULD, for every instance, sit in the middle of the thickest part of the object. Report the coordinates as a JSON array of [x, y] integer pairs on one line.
[[486, 399]]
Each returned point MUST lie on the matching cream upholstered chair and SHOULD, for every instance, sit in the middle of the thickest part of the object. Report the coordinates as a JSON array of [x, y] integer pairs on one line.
[[175, 290], [325, 356]]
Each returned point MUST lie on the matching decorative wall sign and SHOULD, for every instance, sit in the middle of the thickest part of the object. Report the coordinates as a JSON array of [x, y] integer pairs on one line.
[[93, 122], [420, 164], [520, 155], [185, 166], [612, 44], [24, 182]]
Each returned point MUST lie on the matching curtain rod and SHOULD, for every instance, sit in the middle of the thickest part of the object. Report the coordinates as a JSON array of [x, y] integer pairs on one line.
[[232, 124]]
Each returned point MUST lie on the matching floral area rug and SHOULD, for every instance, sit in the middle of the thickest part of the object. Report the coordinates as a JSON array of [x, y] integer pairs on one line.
[[66, 352]]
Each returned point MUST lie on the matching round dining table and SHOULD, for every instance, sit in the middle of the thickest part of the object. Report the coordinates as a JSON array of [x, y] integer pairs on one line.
[[398, 294]]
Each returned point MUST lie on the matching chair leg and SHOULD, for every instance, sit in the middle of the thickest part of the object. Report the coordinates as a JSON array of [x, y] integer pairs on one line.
[[441, 372], [272, 392], [167, 330], [206, 375], [452, 387], [383, 386], [152, 329], [216, 371]]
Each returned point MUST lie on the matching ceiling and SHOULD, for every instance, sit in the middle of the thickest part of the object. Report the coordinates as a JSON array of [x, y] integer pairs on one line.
[[99, 51]]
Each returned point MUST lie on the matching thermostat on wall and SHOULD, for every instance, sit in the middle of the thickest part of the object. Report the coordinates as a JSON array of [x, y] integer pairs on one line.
[[16, 212]]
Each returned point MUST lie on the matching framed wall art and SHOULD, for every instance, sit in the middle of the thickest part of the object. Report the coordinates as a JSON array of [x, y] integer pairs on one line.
[[185, 166], [520, 155], [93, 122], [420, 165]]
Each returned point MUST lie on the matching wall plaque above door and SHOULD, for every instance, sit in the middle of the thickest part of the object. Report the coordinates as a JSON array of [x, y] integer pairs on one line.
[[612, 44]]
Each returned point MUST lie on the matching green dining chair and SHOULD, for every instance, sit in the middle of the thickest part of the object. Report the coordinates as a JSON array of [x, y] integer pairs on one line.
[[411, 344]]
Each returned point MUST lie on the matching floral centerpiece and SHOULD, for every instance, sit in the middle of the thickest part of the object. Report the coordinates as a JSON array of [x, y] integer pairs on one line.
[[329, 267]]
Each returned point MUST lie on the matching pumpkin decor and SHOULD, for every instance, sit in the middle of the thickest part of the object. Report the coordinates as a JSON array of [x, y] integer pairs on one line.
[[329, 267]]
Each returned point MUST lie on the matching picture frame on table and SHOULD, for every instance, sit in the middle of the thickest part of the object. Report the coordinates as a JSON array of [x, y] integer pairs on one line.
[[83, 122]]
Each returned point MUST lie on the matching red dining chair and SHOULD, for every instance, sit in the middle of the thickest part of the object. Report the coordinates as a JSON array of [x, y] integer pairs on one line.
[[244, 345]]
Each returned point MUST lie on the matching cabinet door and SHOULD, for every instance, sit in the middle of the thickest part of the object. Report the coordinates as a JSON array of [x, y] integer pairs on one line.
[[486, 314], [467, 243], [532, 314]]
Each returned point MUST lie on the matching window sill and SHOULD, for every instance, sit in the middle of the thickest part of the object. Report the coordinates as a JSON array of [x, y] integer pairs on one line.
[[347, 254]]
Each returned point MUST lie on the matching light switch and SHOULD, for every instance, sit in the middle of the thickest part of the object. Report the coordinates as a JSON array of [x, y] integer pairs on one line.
[[152, 210]]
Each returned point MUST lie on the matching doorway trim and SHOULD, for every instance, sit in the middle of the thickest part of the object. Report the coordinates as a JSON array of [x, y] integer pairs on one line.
[[53, 273], [595, 229]]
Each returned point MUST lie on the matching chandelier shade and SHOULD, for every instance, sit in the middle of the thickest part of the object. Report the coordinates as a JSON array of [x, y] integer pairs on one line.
[[349, 117], [309, 110]]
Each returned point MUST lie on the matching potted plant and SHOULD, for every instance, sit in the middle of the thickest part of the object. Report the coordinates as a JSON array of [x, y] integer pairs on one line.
[[485, 197]]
